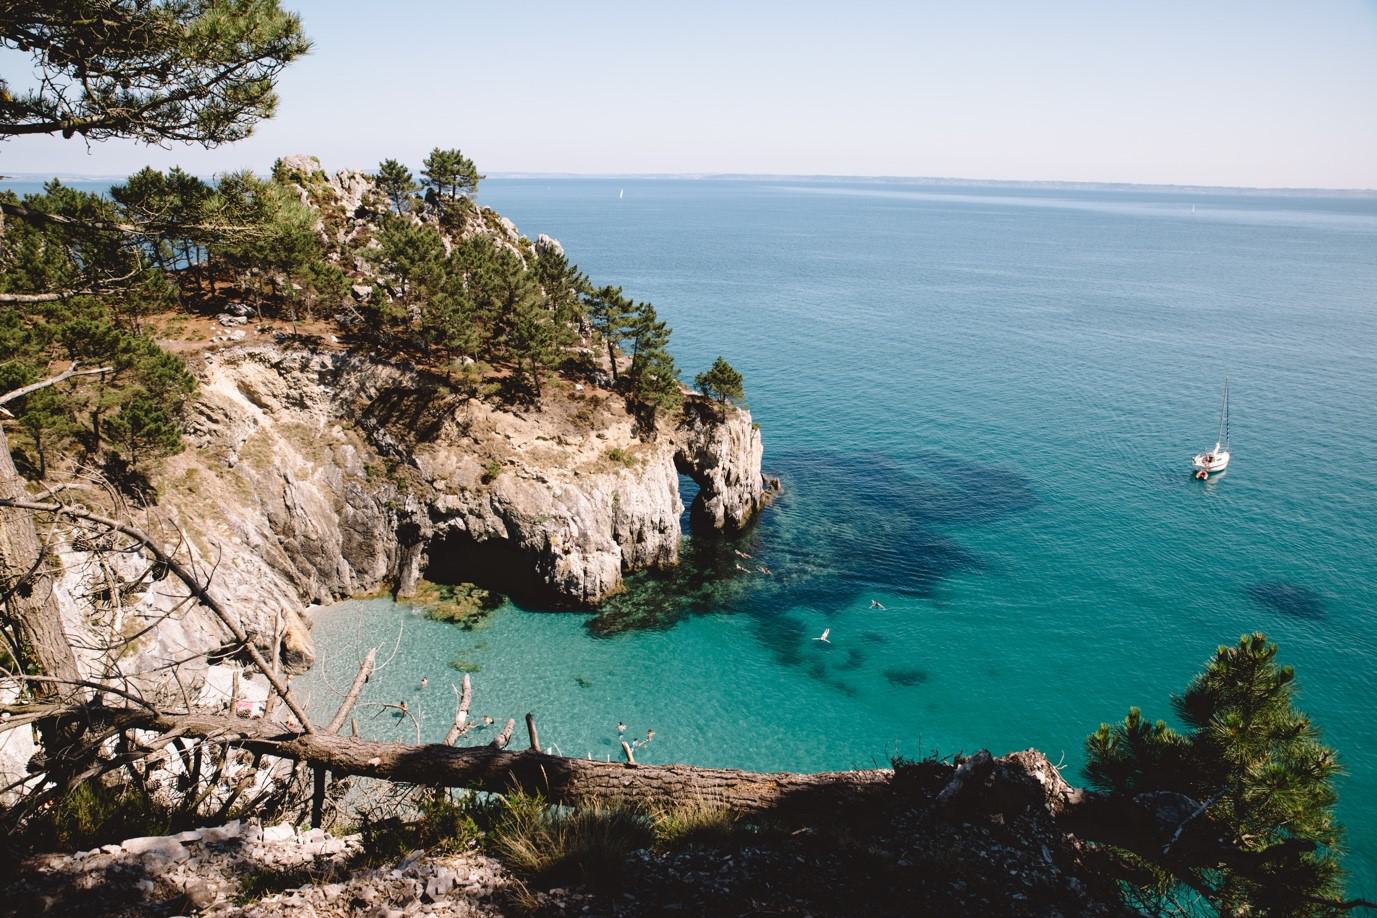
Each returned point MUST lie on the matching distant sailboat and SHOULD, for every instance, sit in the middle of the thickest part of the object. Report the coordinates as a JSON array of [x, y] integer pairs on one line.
[[620, 192], [1217, 459], [1192, 210]]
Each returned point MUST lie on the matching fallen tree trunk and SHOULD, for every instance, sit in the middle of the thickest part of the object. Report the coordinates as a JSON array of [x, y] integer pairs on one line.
[[1164, 828], [489, 768]]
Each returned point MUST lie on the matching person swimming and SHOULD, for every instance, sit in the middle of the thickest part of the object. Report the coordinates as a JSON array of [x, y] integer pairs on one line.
[[876, 604], [621, 728], [424, 682]]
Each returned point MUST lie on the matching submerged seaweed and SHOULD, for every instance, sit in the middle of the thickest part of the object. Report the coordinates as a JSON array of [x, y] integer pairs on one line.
[[1287, 598]]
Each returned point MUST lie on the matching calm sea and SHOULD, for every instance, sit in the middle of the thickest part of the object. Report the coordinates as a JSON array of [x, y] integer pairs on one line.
[[982, 402]]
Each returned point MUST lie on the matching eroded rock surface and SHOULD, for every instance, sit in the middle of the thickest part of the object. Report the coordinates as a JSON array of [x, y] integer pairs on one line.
[[314, 475]]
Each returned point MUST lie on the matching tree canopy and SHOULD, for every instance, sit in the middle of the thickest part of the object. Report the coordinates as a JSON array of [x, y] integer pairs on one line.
[[195, 71], [1265, 779], [397, 182], [450, 173], [721, 382]]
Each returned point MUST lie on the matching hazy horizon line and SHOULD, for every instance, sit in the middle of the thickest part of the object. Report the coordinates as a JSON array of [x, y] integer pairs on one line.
[[804, 176]]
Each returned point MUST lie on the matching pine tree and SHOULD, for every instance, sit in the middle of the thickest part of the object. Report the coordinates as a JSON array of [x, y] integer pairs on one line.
[[610, 314], [1259, 766], [450, 173], [396, 181], [193, 71], [721, 382]]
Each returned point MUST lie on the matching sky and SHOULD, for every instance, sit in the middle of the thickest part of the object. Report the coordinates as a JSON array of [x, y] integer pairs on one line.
[[1267, 93]]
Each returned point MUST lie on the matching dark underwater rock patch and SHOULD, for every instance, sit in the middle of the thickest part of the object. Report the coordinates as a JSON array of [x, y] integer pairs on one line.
[[1289, 599], [906, 677]]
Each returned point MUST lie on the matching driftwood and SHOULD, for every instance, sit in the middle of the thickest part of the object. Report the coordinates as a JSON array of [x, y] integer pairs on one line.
[[352, 695], [461, 713], [531, 730]]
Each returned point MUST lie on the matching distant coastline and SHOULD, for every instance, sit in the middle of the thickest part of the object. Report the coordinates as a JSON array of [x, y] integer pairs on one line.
[[1029, 184]]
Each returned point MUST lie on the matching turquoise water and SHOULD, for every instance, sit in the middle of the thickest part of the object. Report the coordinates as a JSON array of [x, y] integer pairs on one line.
[[981, 401]]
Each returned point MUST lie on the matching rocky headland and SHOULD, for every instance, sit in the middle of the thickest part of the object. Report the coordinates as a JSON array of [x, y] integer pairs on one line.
[[316, 474], [318, 465]]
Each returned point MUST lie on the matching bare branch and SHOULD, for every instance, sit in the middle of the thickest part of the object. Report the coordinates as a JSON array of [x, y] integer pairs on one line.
[[51, 381], [201, 592], [353, 695]]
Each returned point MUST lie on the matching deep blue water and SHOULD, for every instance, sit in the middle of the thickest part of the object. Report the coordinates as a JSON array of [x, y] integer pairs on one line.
[[982, 401]]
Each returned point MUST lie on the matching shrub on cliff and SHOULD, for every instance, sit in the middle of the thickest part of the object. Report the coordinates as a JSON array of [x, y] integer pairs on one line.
[[1258, 766], [449, 173], [721, 382]]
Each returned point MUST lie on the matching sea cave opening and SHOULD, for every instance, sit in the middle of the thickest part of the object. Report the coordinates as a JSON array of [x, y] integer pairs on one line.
[[455, 557]]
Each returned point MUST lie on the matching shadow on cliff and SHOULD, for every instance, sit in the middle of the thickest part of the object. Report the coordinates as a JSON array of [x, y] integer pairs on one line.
[[845, 529]]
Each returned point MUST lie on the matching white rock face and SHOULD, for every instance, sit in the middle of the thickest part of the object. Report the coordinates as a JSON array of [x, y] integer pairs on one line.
[[313, 476]]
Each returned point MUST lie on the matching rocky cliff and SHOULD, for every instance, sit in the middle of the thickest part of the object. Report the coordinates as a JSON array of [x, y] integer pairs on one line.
[[313, 474], [315, 470]]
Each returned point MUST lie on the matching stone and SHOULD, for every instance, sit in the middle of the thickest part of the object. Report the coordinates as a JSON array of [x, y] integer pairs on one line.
[[222, 833], [280, 832], [199, 894], [156, 845], [229, 320], [545, 243], [438, 886]]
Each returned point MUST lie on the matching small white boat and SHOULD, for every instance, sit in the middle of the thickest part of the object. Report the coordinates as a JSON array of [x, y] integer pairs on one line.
[[1217, 459]]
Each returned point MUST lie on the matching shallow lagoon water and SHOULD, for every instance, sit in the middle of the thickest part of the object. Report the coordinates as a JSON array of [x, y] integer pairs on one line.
[[981, 401]]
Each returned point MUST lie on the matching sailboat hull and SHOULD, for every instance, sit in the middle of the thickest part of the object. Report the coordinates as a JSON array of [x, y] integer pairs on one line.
[[1210, 462]]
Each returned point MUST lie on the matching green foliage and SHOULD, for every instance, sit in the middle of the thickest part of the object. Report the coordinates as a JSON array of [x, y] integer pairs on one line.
[[148, 383], [693, 820], [1259, 764], [94, 814], [143, 429], [269, 241], [413, 254], [610, 314], [491, 471], [652, 379], [440, 821], [197, 71], [397, 182], [449, 173], [617, 454], [555, 845], [721, 382]]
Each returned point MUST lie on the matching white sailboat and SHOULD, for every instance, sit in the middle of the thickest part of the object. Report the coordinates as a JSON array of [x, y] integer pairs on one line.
[[1217, 459], [620, 192]]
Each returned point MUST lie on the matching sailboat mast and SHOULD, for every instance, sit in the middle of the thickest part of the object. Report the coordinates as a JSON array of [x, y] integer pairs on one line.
[[1224, 416]]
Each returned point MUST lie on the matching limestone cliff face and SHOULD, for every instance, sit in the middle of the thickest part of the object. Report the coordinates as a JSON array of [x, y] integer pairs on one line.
[[315, 475]]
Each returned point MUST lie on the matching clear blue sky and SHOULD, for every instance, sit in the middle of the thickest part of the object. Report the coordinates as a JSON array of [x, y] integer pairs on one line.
[[1221, 92]]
